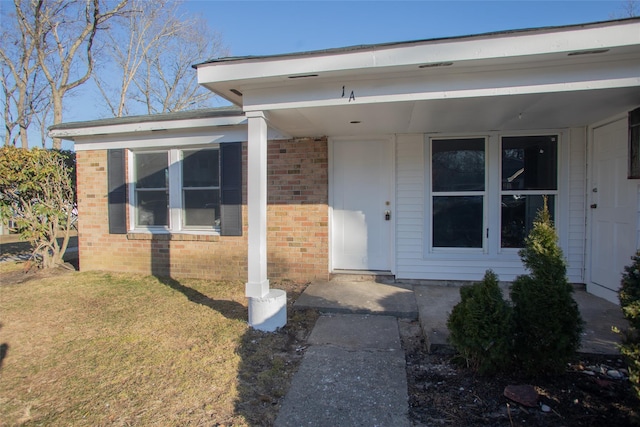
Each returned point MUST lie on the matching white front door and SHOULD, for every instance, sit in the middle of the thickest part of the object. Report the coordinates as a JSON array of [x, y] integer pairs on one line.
[[362, 204], [614, 209]]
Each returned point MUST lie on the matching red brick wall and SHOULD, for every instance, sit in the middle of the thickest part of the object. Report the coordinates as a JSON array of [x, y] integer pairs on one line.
[[297, 218]]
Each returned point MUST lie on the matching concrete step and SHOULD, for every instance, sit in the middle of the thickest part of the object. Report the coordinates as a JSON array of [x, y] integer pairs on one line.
[[362, 276]]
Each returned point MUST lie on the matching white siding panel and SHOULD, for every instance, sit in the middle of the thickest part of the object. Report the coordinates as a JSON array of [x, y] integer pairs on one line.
[[575, 229], [409, 196], [410, 199]]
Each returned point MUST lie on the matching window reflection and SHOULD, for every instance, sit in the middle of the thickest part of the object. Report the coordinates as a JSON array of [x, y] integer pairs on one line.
[[152, 186], [458, 184], [457, 221], [458, 164], [529, 163], [518, 214], [201, 188]]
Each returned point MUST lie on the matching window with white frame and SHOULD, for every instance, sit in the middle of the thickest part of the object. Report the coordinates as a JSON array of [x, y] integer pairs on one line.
[[529, 175], [177, 189], [201, 188], [151, 177], [458, 192], [463, 204]]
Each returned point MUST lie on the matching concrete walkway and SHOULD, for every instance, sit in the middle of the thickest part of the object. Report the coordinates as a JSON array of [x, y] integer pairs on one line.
[[353, 373]]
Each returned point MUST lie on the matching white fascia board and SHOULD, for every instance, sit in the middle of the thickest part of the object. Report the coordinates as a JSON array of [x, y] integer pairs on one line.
[[457, 94], [129, 128], [150, 140], [502, 46], [487, 82]]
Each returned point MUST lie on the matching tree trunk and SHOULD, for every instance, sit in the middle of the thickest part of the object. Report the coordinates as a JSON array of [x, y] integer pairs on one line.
[[56, 98], [24, 137]]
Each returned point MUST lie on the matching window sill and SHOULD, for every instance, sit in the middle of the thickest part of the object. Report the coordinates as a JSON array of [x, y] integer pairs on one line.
[[178, 237]]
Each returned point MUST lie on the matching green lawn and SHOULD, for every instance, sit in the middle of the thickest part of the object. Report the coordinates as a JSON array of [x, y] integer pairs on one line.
[[111, 349]]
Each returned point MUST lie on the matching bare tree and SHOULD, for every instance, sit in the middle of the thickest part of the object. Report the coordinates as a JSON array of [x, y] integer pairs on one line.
[[631, 8], [25, 94], [627, 9], [151, 52], [62, 34], [9, 88]]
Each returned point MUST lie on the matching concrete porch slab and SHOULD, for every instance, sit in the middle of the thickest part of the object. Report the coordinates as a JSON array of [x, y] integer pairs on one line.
[[436, 302], [360, 297], [599, 316]]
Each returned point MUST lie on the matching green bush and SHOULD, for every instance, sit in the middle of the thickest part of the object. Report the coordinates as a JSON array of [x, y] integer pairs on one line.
[[629, 295], [479, 326], [37, 192], [546, 320]]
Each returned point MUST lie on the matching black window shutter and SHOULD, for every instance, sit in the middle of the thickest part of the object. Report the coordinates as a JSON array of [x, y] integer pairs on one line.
[[117, 191], [231, 189]]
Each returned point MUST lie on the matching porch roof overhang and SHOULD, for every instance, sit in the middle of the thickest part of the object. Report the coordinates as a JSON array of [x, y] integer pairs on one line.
[[196, 127], [531, 79]]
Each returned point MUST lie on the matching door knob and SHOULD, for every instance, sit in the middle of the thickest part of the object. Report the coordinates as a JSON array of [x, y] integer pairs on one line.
[[387, 215]]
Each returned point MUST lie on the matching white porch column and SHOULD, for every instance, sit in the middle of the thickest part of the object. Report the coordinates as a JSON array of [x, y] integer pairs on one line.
[[267, 307], [258, 284]]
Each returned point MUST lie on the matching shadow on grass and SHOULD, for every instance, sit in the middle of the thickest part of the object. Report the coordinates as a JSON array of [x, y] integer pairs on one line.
[[267, 360], [4, 349], [229, 309]]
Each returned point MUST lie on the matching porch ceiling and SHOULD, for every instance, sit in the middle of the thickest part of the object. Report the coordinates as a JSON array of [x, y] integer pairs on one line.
[[501, 113]]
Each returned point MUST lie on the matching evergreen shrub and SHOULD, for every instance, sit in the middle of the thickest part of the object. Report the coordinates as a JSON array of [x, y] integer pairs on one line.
[[546, 320], [480, 326], [629, 296]]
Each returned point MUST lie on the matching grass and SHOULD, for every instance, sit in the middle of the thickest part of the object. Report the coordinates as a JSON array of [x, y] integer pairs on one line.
[[96, 349]]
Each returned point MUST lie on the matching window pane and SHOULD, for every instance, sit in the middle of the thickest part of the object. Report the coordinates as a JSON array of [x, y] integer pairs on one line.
[[151, 170], [518, 213], [152, 207], [457, 221], [458, 164], [529, 163], [202, 207], [200, 168]]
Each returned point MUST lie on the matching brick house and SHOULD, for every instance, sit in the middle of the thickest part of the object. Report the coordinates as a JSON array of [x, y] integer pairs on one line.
[[426, 160], [118, 234]]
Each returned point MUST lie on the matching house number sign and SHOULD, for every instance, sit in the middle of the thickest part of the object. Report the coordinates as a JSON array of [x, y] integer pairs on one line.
[[352, 95]]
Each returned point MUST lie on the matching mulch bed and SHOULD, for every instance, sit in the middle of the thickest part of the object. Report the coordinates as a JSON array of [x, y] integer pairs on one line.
[[441, 392]]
